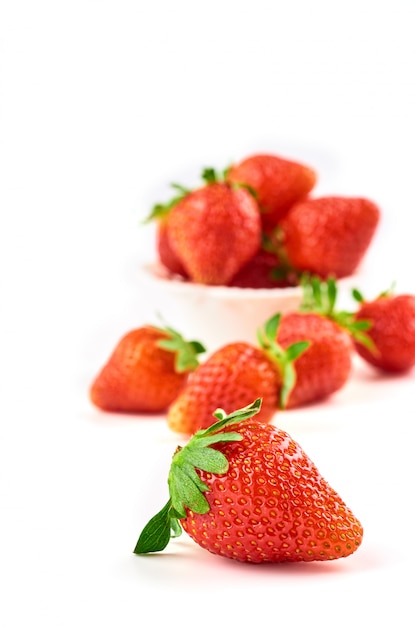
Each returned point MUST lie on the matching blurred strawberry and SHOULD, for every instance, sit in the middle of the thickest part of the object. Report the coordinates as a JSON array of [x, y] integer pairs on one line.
[[215, 230], [392, 330], [277, 183], [263, 271], [160, 214], [329, 236], [234, 375], [267, 269], [146, 371], [325, 366], [166, 255]]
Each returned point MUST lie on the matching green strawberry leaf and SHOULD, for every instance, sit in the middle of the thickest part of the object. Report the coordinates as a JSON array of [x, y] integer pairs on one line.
[[157, 532], [320, 297], [247, 187], [186, 488], [361, 324], [207, 459], [296, 349], [209, 175], [388, 292], [357, 295], [159, 211], [184, 492], [218, 438], [284, 358], [235, 417], [186, 351]]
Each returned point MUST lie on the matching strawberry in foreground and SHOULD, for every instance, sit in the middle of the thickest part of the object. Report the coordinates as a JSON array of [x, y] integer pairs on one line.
[[146, 371], [328, 236], [246, 490], [392, 330], [277, 182], [233, 375]]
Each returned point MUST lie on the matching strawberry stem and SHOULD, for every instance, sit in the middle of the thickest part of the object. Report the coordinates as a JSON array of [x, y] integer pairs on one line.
[[186, 351], [186, 488], [210, 175], [321, 297]]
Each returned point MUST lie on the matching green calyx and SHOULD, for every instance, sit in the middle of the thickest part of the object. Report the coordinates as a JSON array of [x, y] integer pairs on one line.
[[186, 488], [159, 211], [186, 352], [284, 271], [209, 175], [321, 297], [284, 358], [360, 299]]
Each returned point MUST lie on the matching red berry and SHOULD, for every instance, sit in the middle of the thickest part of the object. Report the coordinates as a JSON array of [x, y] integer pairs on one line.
[[214, 231], [392, 330], [277, 182], [329, 236], [166, 255], [247, 491], [231, 376], [145, 372], [325, 366], [263, 271]]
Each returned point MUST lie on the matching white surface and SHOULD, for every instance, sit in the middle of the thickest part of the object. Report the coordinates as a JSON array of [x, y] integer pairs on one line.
[[102, 105]]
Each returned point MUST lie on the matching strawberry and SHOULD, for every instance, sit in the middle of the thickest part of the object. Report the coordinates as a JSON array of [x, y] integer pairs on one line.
[[145, 372], [160, 214], [166, 255], [263, 271], [277, 182], [232, 376], [247, 491], [266, 270], [215, 230], [325, 366], [329, 236], [392, 330]]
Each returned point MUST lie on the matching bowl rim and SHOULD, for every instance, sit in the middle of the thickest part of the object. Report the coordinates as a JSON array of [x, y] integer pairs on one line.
[[155, 272]]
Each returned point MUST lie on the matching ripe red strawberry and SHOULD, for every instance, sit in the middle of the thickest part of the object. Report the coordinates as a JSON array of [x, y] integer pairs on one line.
[[277, 182], [329, 236], [261, 272], [145, 372], [232, 376], [392, 330], [266, 270], [160, 214], [247, 491], [214, 231], [166, 255], [325, 366]]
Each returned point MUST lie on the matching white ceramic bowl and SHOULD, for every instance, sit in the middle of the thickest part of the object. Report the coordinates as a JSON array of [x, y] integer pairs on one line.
[[214, 315]]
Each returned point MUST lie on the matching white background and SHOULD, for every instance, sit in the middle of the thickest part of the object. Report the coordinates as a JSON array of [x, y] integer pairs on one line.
[[102, 105]]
